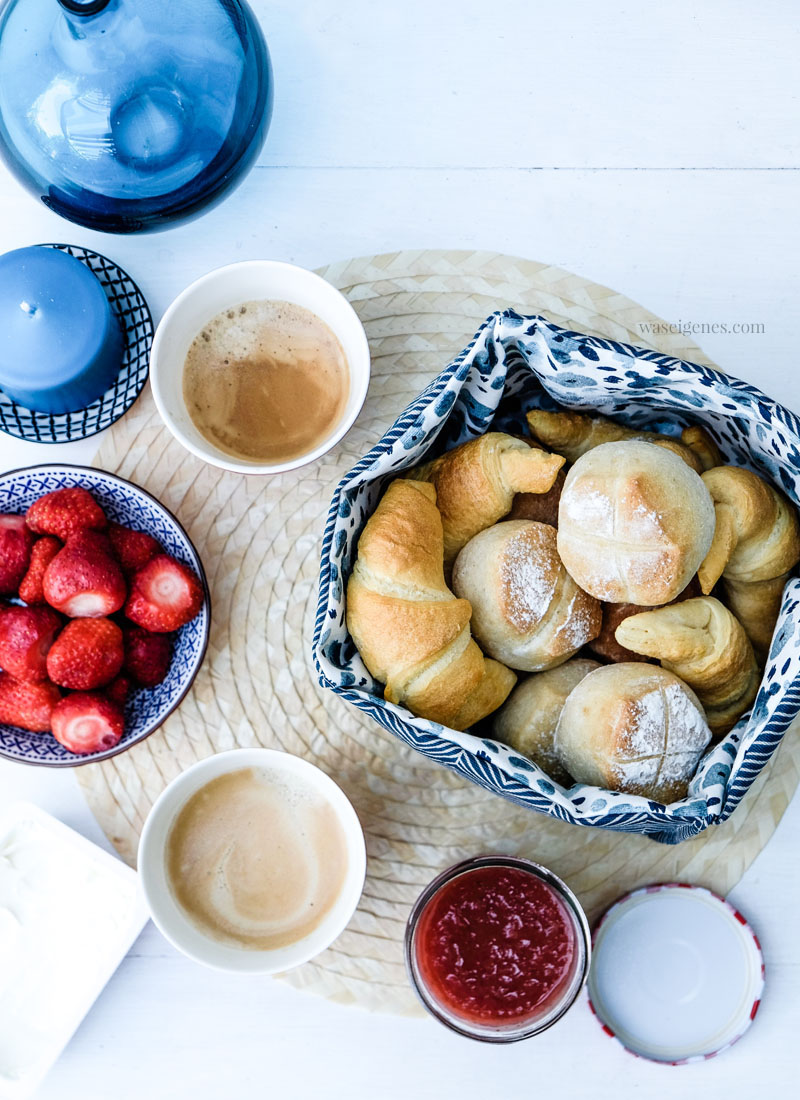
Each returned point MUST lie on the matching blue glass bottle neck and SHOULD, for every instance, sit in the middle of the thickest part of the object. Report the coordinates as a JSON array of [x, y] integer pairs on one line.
[[83, 7]]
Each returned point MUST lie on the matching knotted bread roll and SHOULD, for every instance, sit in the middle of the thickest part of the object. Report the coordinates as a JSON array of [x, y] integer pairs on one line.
[[476, 482], [572, 434], [756, 544], [528, 719], [526, 610], [633, 728], [634, 523], [700, 641], [411, 631]]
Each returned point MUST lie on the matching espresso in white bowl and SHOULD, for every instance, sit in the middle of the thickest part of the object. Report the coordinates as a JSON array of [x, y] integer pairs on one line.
[[252, 860]]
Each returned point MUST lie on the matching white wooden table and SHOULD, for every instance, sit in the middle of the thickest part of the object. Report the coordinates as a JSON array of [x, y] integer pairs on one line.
[[653, 148]]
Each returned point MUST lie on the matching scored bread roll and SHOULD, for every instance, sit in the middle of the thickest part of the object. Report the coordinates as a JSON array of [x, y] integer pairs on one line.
[[476, 482], [411, 631], [634, 523], [528, 719], [633, 728], [526, 610], [700, 641]]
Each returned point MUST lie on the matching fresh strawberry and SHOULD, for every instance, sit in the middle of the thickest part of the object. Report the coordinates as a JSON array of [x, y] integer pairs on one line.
[[87, 654], [26, 636], [133, 548], [16, 542], [119, 690], [147, 655], [87, 722], [44, 550], [164, 595], [65, 512], [28, 706], [83, 580]]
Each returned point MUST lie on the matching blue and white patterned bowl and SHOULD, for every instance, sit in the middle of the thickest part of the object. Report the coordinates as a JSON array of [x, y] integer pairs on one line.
[[126, 503], [514, 364]]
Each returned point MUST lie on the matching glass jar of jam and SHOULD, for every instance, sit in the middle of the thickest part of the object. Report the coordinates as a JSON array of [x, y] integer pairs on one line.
[[497, 948]]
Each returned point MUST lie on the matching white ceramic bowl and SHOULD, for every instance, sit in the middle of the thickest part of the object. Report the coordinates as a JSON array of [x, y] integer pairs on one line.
[[170, 917], [222, 289]]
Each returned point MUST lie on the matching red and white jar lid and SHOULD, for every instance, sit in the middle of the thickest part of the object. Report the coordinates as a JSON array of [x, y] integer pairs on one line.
[[677, 973]]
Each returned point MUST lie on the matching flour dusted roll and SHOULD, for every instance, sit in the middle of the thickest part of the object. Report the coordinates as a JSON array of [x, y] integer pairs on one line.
[[529, 717], [634, 523], [526, 610], [633, 728]]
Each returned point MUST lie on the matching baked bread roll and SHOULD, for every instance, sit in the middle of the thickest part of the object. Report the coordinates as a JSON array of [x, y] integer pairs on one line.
[[757, 535], [541, 507], [633, 728], [528, 719], [757, 605], [700, 641], [698, 440], [607, 647], [476, 482], [411, 631], [526, 610], [756, 543], [572, 434], [634, 523]]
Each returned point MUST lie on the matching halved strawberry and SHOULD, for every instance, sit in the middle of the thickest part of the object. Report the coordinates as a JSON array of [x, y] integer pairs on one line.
[[119, 690], [83, 580], [147, 655], [44, 550], [88, 722], [87, 654], [16, 543], [64, 512], [28, 706], [132, 548], [26, 636], [164, 595]]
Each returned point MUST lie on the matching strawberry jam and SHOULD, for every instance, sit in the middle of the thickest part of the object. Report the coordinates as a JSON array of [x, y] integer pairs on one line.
[[496, 946]]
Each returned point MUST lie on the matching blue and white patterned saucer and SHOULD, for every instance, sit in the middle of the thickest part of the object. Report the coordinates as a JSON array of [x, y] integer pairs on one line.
[[126, 503], [513, 364], [128, 303]]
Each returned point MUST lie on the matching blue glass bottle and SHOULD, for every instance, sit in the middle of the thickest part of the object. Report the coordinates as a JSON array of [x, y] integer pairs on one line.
[[128, 115]]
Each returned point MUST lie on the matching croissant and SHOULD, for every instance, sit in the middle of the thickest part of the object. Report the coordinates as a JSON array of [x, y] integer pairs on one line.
[[572, 434], [476, 482], [703, 643], [756, 543], [411, 631]]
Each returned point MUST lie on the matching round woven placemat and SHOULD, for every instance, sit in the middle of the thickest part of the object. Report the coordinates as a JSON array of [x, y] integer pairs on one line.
[[259, 541]]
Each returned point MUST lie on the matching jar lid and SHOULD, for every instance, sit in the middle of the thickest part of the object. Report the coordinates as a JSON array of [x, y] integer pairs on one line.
[[677, 973]]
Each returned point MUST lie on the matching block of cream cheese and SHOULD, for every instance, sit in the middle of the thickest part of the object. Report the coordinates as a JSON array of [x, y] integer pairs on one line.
[[69, 912]]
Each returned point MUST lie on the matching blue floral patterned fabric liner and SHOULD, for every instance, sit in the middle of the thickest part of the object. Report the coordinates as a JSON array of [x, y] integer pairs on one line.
[[514, 364]]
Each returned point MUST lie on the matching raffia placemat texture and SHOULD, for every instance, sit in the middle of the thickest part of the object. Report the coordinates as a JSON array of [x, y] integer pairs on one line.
[[259, 540]]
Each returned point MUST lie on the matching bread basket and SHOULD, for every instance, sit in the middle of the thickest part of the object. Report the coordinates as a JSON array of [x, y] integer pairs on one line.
[[515, 363]]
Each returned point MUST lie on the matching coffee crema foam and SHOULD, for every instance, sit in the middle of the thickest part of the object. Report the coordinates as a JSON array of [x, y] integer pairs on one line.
[[266, 381], [257, 859]]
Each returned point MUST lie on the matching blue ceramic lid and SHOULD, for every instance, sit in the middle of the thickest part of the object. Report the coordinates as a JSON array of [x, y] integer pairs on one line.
[[54, 316]]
